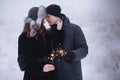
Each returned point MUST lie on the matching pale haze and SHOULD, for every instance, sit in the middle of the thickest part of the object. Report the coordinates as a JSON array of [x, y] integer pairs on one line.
[[99, 20]]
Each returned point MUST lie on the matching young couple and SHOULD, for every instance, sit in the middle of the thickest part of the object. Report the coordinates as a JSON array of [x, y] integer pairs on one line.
[[36, 43]]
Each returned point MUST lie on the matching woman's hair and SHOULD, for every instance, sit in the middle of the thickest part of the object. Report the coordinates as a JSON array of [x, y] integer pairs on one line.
[[40, 32]]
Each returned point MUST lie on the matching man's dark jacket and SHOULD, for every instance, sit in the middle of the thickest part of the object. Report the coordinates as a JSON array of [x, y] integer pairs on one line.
[[75, 43]]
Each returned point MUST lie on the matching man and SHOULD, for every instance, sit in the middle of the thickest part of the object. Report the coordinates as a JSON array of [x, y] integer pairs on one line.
[[74, 43]]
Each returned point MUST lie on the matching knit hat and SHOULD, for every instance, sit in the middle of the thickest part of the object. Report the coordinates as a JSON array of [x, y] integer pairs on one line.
[[54, 10], [35, 17]]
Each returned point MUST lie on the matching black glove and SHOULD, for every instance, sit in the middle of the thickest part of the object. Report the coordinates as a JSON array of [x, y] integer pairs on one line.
[[69, 57]]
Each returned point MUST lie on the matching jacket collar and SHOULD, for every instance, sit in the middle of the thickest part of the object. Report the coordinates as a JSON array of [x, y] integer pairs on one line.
[[65, 19]]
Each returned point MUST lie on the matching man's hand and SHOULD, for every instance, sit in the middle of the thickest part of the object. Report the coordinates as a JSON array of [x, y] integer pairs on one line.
[[59, 25], [69, 57], [48, 67]]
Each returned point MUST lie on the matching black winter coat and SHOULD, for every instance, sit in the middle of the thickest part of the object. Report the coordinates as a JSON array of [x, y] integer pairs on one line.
[[74, 42], [32, 56]]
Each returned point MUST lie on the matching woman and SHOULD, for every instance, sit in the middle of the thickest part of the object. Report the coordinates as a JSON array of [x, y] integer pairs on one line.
[[34, 49]]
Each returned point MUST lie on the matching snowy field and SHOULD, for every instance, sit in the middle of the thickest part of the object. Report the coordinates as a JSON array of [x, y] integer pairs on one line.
[[99, 20]]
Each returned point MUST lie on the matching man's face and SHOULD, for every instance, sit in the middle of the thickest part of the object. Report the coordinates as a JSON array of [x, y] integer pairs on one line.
[[51, 19]]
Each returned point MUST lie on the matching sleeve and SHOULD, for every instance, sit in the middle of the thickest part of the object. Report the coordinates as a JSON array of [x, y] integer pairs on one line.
[[25, 61], [81, 47], [59, 37]]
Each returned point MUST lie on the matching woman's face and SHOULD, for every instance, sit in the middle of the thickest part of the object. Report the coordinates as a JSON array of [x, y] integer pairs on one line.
[[51, 19]]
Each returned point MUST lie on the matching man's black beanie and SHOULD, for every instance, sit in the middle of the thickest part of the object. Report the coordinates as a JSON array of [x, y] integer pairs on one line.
[[54, 10]]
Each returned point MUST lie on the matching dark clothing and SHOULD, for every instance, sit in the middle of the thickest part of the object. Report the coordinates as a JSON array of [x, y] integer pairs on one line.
[[32, 56], [74, 42], [56, 37]]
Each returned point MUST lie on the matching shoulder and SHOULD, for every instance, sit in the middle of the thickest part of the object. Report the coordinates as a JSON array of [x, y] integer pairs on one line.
[[22, 36], [73, 27]]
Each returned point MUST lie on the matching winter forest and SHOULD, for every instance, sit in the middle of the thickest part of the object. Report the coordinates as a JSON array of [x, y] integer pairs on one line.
[[99, 20]]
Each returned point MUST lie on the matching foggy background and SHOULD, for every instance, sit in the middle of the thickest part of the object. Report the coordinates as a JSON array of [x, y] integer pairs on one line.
[[99, 20]]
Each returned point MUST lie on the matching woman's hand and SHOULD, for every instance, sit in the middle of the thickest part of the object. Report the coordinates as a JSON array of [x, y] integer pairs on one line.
[[48, 67]]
